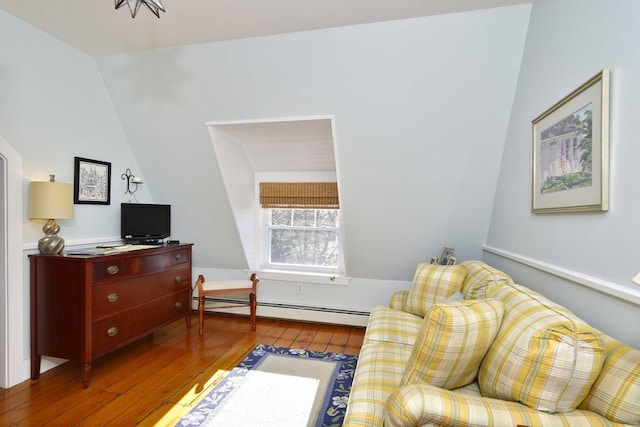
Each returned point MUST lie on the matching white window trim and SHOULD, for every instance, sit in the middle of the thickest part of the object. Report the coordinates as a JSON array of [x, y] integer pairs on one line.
[[294, 275], [301, 277]]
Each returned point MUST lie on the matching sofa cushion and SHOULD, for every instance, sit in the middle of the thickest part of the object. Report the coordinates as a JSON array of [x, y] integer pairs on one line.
[[379, 370], [543, 356], [399, 299], [452, 342], [433, 284], [389, 325], [425, 405], [616, 393], [480, 277]]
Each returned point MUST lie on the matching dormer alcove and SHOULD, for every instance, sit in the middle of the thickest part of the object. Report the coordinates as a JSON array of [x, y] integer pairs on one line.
[[247, 152]]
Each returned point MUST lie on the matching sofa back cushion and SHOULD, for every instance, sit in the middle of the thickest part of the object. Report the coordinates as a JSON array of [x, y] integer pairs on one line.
[[433, 284], [480, 277], [616, 393], [452, 342], [543, 357]]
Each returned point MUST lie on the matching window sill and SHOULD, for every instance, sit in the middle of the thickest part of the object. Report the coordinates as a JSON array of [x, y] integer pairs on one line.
[[297, 276]]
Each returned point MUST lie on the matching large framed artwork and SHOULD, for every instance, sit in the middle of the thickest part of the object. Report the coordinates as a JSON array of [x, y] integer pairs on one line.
[[92, 182], [570, 151]]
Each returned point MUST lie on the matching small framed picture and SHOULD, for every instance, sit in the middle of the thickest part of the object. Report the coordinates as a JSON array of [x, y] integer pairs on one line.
[[446, 254], [434, 260], [451, 261], [91, 182]]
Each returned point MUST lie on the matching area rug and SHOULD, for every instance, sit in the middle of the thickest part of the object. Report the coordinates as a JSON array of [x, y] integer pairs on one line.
[[279, 387]]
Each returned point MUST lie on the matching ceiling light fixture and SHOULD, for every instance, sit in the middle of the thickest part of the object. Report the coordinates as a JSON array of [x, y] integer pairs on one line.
[[154, 6]]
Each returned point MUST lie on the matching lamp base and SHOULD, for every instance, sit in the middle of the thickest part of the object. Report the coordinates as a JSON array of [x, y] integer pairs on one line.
[[51, 244]]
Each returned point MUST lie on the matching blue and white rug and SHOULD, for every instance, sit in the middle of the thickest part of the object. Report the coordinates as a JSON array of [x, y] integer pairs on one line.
[[280, 387]]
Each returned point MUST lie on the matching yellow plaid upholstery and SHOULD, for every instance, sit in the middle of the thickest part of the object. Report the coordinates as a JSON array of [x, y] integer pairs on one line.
[[557, 339], [616, 392], [380, 366], [433, 284], [426, 405], [387, 324], [452, 342], [398, 300], [543, 357], [480, 277]]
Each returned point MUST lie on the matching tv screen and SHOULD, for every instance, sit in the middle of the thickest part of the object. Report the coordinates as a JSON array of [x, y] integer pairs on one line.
[[144, 223]]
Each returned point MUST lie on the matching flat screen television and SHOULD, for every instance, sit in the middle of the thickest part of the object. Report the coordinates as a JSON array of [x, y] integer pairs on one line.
[[144, 223]]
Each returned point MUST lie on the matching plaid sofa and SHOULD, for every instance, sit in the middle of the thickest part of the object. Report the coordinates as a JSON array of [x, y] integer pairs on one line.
[[466, 346]]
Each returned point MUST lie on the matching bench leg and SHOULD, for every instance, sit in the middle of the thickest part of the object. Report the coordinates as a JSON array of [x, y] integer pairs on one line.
[[201, 314], [254, 305]]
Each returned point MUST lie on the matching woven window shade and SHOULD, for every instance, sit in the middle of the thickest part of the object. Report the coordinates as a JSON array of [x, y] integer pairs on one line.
[[299, 195]]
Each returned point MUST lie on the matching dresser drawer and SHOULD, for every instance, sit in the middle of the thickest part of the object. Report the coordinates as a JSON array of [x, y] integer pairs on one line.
[[129, 325], [111, 297], [118, 267]]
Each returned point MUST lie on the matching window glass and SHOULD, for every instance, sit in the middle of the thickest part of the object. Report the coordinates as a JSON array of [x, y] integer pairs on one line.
[[301, 238]]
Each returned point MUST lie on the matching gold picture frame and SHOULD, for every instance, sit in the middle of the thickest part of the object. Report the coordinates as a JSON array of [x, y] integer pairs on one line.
[[570, 151]]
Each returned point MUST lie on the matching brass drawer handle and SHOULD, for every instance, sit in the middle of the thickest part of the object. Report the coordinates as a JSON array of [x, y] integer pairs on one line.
[[112, 297], [112, 331], [178, 305], [178, 279], [113, 269], [178, 257]]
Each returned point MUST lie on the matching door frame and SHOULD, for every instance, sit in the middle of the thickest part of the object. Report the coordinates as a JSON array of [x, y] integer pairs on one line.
[[14, 308]]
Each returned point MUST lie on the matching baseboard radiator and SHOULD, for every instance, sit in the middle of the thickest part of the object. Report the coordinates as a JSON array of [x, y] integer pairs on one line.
[[288, 311]]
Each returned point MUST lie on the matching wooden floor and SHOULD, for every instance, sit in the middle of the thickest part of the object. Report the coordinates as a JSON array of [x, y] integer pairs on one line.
[[155, 381]]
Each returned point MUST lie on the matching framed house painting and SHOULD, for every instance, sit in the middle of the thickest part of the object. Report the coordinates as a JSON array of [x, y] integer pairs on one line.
[[91, 182], [570, 151]]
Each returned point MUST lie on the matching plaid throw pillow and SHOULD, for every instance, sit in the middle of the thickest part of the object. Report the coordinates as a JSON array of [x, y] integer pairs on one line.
[[543, 357], [452, 342], [616, 393], [433, 284], [480, 277]]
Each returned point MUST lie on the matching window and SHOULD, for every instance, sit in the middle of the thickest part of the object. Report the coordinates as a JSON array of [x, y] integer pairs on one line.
[[299, 238], [301, 223]]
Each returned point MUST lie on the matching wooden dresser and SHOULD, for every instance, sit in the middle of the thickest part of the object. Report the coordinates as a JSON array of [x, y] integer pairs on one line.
[[83, 307]]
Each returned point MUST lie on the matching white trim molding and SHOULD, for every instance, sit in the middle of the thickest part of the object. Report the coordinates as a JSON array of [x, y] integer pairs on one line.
[[14, 359], [610, 288], [302, 277]]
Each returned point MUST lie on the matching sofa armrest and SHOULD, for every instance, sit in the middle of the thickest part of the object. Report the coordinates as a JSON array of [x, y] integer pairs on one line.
[[426, 405], [399, 300]]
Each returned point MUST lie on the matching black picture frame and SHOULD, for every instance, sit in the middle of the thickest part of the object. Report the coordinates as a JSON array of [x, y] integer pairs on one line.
[[91, 182]]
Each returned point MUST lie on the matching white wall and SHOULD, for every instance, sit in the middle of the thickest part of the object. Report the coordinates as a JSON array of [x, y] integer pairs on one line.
[[420, 110], [53, 106], [568, 42]]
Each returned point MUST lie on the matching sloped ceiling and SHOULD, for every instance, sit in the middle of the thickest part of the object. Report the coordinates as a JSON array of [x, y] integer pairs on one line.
[[396, 90], [419, 111], [94, 27], [293, 145]]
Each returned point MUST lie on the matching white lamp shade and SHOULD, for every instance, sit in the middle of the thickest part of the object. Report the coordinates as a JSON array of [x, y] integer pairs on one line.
[[50, 200]]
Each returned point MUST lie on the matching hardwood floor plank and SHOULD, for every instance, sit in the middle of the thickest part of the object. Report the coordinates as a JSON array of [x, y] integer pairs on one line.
[[157, 380], [110, 412], [81, 409]]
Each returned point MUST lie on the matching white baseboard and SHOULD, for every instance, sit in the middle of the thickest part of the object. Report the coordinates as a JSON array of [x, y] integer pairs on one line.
[[294, 312]]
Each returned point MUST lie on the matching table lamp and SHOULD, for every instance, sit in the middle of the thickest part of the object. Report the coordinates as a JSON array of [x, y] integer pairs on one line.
[[50, 200]]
